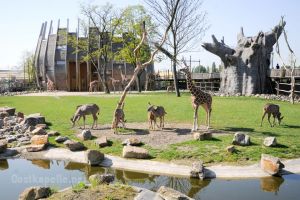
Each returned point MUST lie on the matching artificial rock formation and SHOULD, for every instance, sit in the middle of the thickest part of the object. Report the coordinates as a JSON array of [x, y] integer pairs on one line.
[[245, 67]]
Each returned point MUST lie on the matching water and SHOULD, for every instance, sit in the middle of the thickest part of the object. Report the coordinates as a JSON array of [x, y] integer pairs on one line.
[[18, 174]]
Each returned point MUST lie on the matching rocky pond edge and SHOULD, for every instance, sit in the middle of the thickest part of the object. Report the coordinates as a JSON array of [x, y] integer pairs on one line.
[[155, 167]]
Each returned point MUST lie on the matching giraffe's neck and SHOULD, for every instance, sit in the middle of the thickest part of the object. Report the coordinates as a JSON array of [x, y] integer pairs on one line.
[[190, 83]]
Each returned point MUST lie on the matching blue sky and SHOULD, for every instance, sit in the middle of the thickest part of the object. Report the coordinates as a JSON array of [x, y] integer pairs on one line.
[[20, 23]]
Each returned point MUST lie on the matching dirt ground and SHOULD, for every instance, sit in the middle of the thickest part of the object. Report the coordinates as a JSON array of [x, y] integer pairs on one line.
[[171, 134]]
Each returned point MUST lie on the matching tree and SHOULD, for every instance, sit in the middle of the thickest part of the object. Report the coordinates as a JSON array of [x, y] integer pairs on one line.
[[27, 64], [98, 48], [199, 69], [140, 65], [246, 66], [187, 30], [214, 68], [132, 18]]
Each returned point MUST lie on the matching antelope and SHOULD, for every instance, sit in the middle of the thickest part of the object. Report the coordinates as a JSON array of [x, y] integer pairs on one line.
[[274, 110], [170, 88], [157, 112], [83, 110], [93, 86], [151, 120], [119, 117]]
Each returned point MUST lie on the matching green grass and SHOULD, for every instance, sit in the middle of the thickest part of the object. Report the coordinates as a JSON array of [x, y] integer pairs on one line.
[[228, 113]]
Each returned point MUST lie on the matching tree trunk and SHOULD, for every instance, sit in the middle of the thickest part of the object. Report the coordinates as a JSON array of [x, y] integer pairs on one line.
[[175, 75], [138, 82], [246, 66], [105, 84]]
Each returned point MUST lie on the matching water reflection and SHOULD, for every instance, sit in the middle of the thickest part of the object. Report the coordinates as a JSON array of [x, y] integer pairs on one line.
[[3, 164], [45, 164], [271, 184], [207, 189]]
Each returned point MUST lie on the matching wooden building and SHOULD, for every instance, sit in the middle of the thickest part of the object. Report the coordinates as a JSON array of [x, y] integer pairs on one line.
[[56, 59]]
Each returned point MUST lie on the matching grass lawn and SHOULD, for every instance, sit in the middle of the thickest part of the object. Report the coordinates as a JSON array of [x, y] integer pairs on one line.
[[228, 113]]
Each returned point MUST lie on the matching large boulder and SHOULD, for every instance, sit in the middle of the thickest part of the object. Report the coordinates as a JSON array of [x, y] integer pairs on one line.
[[94, 157], [101, 178], [102, 142], [74, 146], [53, 133], [270, 141], [132, 142], [202, 136], [241, 139], [61, 139], [39, 131], [39, 140], [197, 170], [10, 111], [135, 152], [171, 194], [34, 119], [34, 193], [85, 135], [270, 164], [36, 148], [3, 146]]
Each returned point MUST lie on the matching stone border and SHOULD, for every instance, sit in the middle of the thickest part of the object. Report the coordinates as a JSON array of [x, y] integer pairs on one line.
[[160, 168]]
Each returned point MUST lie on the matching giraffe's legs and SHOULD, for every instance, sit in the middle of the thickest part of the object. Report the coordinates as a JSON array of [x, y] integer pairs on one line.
[[207, 110], [195, 124]]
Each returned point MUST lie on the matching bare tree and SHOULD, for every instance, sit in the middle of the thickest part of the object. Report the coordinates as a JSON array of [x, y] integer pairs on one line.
[[105, 21], [187, 29], [141, 66]]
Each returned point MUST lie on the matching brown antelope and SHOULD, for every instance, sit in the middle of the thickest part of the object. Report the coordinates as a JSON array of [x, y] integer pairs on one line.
[[119, 117], [157, 112], [274, 110], [151, 121], [83, 110], [93, 87]]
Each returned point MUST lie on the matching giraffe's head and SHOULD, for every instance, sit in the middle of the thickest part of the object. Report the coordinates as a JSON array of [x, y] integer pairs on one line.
[[185, 70]]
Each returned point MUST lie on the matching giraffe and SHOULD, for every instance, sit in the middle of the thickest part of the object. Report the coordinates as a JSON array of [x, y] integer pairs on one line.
[[199, 98], [93, 86], [114, 83]]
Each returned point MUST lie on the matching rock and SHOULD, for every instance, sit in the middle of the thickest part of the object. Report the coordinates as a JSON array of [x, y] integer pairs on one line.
[[36, 148], [16, 128], [171, 194], [3, 146], [20, 115], [3, 115], [85, 135], [74, 146], [101, 178], [34, 119], [24, 139], [53, 133], [34, 193], [270, 164], [230, 149], [11, 138], [39, 139], [241, 139], [1, 123], [101, 142], [135, 152], [197, 170], [39, 131], [44, 126], [10, 111], [270, 141], [94, 157], [202, 136], [61, 139], [132, 142]]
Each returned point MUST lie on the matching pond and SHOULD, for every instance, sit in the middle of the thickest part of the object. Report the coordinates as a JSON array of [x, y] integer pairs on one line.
[[18, 174]]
